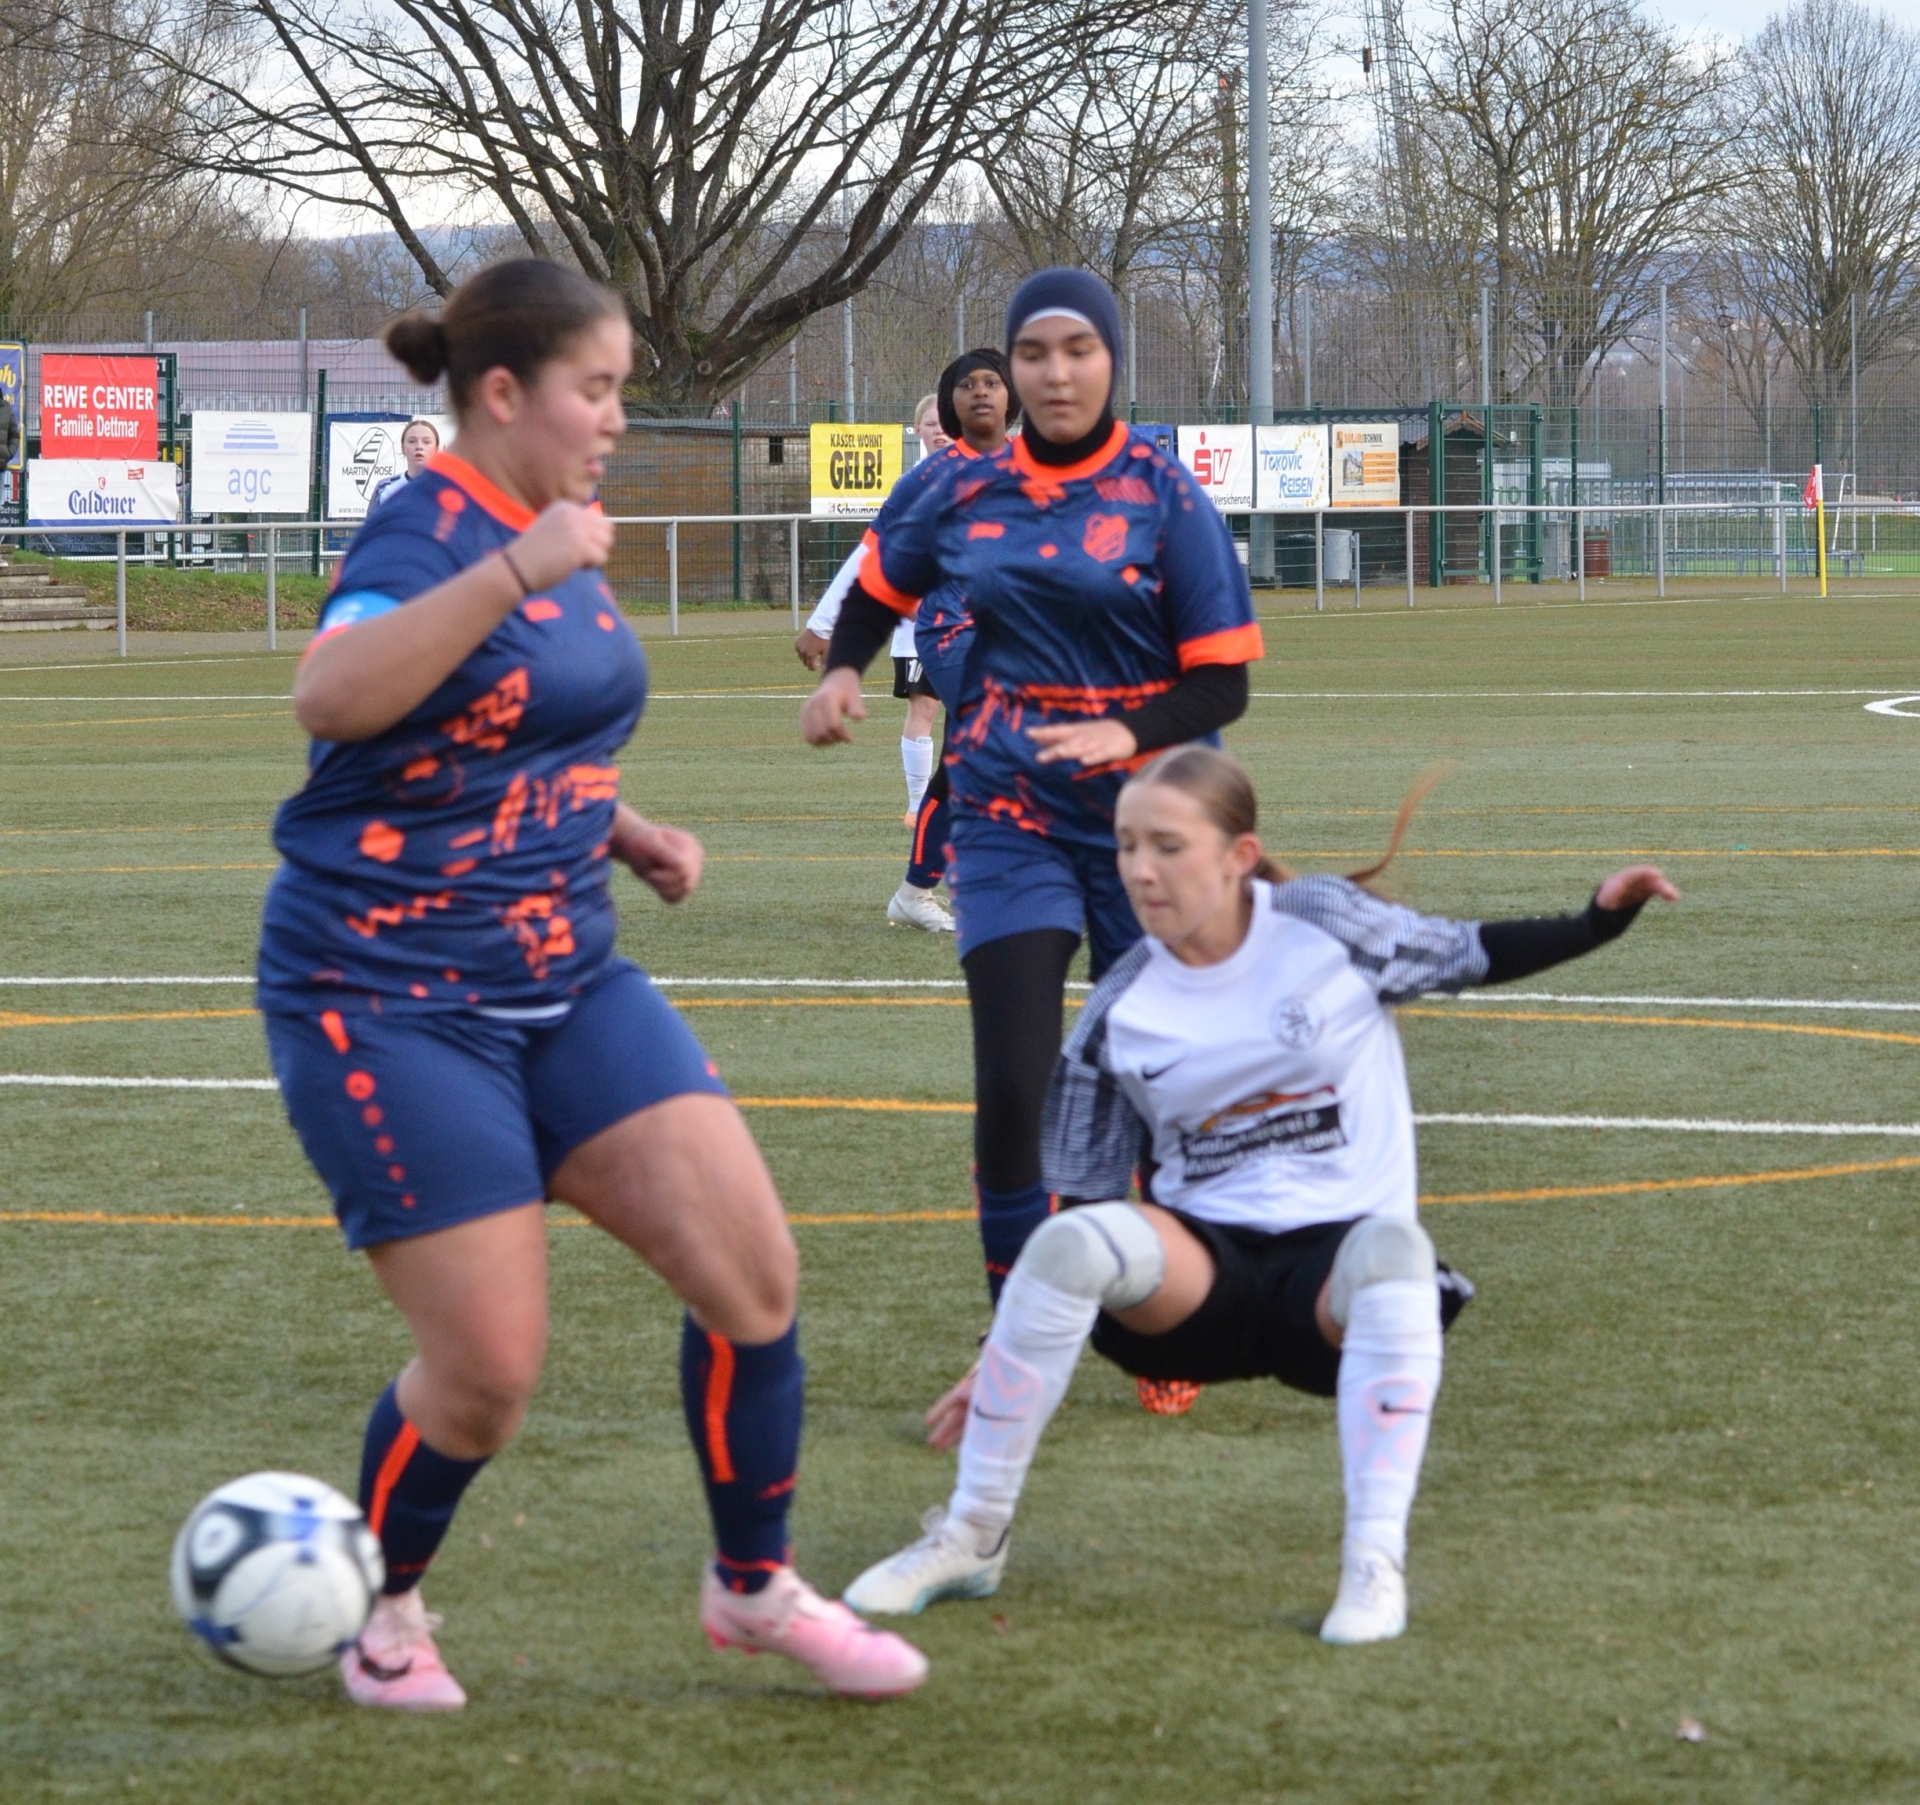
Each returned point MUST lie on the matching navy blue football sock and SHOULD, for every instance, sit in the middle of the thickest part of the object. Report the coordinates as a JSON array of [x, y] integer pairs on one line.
[[1007, 1218], [928, 865], [407, 1492], [743, 1412]]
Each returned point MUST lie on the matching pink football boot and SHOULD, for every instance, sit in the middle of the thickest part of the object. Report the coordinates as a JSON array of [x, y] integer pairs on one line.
[[788, 1617], [395, 1664]]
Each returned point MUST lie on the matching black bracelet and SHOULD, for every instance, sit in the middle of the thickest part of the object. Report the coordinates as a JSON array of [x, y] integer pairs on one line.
[[506, 558]]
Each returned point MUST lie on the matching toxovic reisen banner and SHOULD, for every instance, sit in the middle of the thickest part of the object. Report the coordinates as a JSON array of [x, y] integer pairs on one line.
[[99, 407], [88, 492]]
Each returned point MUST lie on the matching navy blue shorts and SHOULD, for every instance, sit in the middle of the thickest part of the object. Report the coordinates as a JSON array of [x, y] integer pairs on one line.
[[1007, 880], [419, 1122]]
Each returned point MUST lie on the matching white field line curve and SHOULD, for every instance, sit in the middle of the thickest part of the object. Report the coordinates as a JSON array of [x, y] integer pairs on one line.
[[1426, 1119]]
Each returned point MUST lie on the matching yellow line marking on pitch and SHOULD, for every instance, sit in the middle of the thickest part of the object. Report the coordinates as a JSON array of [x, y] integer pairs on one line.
[[1666, 1021], [1718, 1181], [861, 1002], [1641, 1186], [14, 1018], [119, 870], [143, 720], [890, 1105]]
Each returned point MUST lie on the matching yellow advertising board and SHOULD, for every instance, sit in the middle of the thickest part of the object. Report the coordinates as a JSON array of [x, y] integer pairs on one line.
[[852, 469], [1366, 466]]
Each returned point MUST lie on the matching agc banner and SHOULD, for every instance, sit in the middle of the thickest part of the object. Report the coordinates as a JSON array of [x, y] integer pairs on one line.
[[90, 492], [1293, 468], [1221, 459], [99, 407], [252, 463], [852, 469]]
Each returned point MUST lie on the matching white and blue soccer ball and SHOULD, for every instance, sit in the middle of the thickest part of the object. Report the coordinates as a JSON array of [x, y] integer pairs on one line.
[[276, 1573]]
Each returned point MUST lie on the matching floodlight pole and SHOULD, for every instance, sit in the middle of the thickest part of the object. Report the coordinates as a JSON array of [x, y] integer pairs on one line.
[[1259, 274]]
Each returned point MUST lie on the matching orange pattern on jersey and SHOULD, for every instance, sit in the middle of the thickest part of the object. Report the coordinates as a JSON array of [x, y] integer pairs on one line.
[[506, 818], [1124, 488], [1106, 537], [489, 719], [1232, 645], [542, 929], [541, 608], [391, 915], [986, 529], [379, 841]]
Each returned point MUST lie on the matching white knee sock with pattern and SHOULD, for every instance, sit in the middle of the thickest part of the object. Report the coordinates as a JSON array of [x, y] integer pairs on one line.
[[1389, 1378]]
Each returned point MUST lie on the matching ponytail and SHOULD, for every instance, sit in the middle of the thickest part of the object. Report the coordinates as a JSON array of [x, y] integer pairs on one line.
[[1219, 783]]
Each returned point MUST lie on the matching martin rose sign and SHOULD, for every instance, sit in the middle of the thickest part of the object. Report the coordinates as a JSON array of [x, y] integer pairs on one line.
[[99, 407]]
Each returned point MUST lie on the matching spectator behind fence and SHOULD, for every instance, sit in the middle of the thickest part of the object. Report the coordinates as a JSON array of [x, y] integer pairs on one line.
[[418, 443]]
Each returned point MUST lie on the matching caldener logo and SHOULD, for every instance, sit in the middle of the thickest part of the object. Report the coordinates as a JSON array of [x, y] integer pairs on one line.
[[98, 501]]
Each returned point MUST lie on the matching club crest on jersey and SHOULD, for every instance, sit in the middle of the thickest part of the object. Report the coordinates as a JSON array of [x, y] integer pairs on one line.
[[1106, 537], [1295, 1024]]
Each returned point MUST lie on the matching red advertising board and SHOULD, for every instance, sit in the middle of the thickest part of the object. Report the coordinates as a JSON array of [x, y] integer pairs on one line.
[[99, 407]]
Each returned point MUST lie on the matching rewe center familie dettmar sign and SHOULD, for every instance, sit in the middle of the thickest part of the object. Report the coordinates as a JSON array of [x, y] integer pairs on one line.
[[99, 407]]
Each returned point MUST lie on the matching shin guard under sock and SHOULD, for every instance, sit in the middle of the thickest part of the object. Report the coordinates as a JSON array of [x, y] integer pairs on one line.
[[1007, 1218], [743, 1412], [1025, 1368], [408, 1493], [927, 864], [1389, 1376], [916, 760]]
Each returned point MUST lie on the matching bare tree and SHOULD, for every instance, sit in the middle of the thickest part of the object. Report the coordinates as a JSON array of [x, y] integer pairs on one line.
[[1823, 228], [732, 167], [1586, 141]]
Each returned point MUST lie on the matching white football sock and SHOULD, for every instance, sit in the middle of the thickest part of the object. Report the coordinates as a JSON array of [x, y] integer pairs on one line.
[[1389, 1377], [1025, 1369], [916, 758]]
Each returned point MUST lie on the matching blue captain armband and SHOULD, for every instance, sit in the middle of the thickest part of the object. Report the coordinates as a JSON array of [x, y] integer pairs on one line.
[[344, 611]]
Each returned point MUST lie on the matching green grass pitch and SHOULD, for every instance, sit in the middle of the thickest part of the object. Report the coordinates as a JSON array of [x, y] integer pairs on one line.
[[1674, 1475]]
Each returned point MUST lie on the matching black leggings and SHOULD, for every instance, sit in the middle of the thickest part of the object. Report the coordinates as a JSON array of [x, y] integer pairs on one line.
[[1018, 987]]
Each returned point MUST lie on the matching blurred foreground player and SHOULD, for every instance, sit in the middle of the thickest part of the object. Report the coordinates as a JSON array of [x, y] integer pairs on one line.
[[454, 1037], [1242, 1058]]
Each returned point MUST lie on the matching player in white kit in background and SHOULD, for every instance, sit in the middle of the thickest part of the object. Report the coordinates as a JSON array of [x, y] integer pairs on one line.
[[1242, 1061]]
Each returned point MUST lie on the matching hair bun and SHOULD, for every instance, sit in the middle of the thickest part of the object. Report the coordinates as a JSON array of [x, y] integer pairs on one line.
[[419, 343]]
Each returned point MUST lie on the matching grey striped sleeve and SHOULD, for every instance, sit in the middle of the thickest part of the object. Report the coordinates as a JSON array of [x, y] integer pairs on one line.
[[1091, 1137], [1401, 954]]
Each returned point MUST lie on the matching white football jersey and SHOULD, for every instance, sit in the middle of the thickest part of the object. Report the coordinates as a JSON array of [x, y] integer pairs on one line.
[[1267, 1091], [826, 613]]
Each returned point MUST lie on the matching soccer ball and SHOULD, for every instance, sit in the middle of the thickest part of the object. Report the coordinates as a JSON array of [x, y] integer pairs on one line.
[[276, 1573]]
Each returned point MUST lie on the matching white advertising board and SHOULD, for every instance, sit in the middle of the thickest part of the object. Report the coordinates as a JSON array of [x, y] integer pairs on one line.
[[1293, 468], [251, 464], [91, 492], [1221, 460], [1366, 466], [361, 455]]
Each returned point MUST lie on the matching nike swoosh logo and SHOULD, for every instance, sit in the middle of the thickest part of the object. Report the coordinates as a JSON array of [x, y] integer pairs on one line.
[[1163, 1071], [1401, 1410]]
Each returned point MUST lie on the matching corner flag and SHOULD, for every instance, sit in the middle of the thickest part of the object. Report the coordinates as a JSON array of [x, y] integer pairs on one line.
[[1815, 496]]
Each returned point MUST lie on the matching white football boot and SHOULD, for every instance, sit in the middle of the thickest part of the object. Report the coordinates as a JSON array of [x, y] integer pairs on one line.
[[947, 1562], [911, 908], [1372, 1602]]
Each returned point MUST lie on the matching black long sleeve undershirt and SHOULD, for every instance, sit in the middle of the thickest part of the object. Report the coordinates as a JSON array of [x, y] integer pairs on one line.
[[1205, 699], [1518, 949]]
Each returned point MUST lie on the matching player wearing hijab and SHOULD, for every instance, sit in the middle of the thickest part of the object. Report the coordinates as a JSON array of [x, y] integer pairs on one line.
[[1111, 618], [454, 1037], [1243, 1059], [975, 407]]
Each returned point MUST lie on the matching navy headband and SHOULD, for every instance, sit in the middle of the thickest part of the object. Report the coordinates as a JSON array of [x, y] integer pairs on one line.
[[984, 358]]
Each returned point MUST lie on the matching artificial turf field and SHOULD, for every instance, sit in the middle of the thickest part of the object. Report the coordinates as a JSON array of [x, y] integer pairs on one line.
[[1674, 1478]]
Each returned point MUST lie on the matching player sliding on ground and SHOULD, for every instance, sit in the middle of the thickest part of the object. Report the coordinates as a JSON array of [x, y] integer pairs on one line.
[[454, 1036], [1242, 1059]]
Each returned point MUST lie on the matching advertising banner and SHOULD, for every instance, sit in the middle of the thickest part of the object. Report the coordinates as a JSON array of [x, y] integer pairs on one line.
[[91, 492], [851, 469], [363, 450], [1221, 459], [99, 407], [251, 463], [13, 384], [1293, 468], [1366, 466]]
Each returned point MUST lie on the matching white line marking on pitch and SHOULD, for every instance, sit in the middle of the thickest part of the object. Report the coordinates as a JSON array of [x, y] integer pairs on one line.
[[1478, 998], [1513, 695], [1439, 1119], [1894, 705]]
